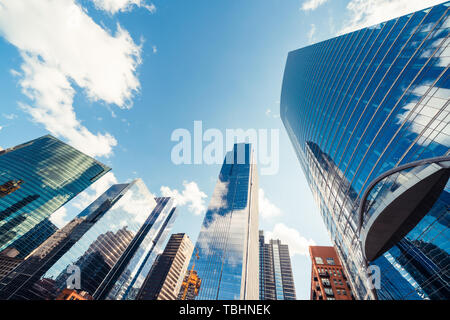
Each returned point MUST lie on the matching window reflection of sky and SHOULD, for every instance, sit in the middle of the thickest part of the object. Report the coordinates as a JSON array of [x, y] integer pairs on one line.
[[370, 100], [134, 205]]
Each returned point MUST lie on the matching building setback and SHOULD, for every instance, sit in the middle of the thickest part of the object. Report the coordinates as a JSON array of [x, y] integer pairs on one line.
[[368, 115], [227, 244], [328, 279], [36, 179], [166, 276], [276, 281]]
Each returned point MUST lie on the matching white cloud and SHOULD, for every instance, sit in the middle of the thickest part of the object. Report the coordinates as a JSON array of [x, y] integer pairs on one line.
[[425, 120], [114, 6], [15, 73], [94, 191], [311, 5], [10, 116], [311, 33], [267, 209], [290, 236], [270, 114], [60, 45], [219, 197], [191, 196], [365, 13], [59, 217], [1, 127]]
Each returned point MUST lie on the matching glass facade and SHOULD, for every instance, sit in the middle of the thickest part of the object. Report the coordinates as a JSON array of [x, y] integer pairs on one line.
[[276, 281], [227, 244], [34, 238], [358, 106], [130, 272], [93, 242], [37, 178]]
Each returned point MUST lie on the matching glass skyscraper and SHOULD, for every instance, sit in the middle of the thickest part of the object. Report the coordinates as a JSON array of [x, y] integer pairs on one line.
[[276, 281], [368, 116], [227, 244], [130, 272], [37, 178], [122, 222]]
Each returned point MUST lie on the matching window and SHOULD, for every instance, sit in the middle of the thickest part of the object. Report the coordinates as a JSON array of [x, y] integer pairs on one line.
[[329, 292], [330, 261], [318, 260]]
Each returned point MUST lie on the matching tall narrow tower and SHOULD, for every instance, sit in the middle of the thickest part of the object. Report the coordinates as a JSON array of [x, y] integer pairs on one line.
[[276, 281], [228, 241]]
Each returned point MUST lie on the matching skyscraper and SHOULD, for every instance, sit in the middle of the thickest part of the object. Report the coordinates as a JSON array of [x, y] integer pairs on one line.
[[166, 276], [227, 244], [128, 275], [368, 116], [328, 279], [37, 178], [275, 271], [92, 243], [10, 257]]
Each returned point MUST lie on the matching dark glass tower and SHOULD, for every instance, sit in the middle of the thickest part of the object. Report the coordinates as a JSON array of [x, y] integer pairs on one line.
[[227, 244], [33, 238], [96, 242], [276, 281], [37, 178], [368, 116]]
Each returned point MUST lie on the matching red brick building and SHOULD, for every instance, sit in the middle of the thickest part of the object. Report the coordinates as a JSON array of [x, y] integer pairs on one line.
[[328, 280]]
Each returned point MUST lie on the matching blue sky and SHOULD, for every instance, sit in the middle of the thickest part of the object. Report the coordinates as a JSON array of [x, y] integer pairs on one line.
[[115, 78]]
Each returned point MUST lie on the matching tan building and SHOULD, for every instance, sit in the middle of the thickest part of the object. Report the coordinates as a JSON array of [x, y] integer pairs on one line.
[[166, 276]]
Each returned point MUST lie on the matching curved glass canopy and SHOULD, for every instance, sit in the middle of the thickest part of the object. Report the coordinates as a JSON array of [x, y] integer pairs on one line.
[[397, 200]]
